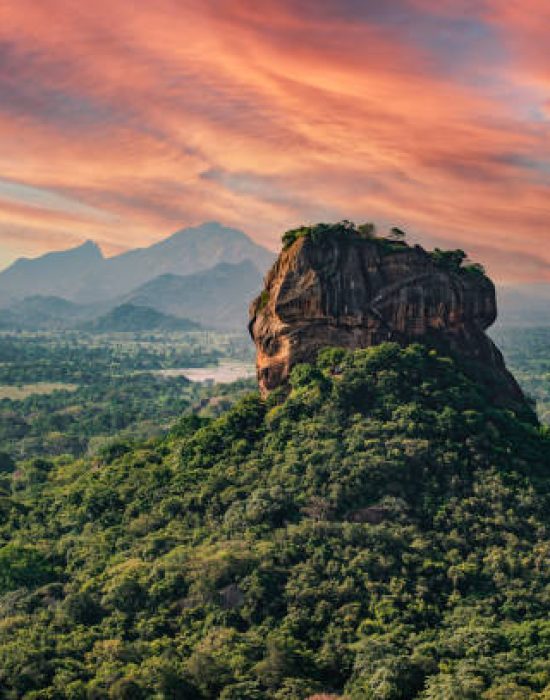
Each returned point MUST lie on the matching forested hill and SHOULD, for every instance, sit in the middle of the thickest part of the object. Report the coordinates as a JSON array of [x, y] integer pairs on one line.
[[134, 318], [381, 532]]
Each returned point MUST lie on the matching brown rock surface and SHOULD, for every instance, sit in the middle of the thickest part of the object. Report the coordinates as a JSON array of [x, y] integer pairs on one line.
[[354, 292]]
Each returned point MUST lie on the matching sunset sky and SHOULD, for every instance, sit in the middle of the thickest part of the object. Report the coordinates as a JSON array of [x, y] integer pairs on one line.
[[124, 120]]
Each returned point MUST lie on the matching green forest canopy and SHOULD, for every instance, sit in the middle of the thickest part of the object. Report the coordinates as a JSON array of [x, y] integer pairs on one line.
[[381, 532]]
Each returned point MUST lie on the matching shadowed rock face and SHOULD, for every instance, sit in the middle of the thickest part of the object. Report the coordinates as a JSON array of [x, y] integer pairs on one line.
[[352, 293]]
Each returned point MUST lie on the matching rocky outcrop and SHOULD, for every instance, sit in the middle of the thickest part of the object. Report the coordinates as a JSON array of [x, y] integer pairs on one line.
[[355, 292]]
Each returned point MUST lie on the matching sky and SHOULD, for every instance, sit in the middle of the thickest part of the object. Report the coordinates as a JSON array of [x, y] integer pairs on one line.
[[122, 121]]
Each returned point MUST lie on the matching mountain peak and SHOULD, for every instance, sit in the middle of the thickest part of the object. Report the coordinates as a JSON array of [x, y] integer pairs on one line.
[[89, 245], [211, 229], [88, 249], [83, 274]]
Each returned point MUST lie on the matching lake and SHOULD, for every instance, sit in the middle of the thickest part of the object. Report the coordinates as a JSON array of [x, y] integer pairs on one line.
[[224, 373]]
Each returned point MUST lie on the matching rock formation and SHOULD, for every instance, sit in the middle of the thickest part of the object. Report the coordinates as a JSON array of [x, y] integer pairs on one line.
[[353, 291]]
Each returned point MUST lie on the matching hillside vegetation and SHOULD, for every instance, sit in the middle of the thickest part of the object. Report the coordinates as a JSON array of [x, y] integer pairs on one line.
[[66, 393], [394, 241], [380, 532], [526, 351], [134, 319]]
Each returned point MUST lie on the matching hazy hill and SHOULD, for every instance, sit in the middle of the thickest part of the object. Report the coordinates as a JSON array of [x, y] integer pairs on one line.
[[54, 274], [382, 532], [132, 318], [46, 313], [215, 298], [82, 274]]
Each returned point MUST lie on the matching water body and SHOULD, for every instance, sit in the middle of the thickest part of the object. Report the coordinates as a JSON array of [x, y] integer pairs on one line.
[[224, 373]]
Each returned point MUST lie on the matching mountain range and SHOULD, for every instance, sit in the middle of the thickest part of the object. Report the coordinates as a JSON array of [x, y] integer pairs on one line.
[[45, 312], [206, 274]]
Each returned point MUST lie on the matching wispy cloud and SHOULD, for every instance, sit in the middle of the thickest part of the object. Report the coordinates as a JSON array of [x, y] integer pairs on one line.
[[122, 121]]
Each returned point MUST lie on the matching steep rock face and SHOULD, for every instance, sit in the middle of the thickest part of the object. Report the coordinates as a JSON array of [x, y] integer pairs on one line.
[[355, 293]]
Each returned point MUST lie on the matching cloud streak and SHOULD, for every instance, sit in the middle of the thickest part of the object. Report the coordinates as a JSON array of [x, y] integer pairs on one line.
[[142, 117]]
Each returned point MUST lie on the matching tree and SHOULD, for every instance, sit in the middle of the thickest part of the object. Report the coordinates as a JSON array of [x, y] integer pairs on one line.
[[126, 689], [7, 463], [449, 259], [280, 661], [396, 234], [367, 230], [22, 566], [83, 608], [459, 685], [510, 691]]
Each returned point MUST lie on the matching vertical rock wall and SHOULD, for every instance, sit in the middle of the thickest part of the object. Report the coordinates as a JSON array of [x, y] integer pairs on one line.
[[354, 293]]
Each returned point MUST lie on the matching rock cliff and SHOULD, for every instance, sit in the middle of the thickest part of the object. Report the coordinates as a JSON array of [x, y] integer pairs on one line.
[[345, 289]]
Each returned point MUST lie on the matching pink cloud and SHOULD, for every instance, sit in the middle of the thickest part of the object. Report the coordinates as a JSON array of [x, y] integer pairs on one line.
[[262, 116]]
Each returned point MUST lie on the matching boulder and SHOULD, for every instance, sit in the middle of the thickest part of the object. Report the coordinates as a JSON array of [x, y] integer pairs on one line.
[[352, 291]]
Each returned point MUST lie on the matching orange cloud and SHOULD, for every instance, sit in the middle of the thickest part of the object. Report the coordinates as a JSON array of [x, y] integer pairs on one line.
[[157, 115]]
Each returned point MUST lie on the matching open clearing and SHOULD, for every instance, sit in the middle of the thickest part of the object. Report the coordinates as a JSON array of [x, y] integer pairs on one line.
[[22, 391]]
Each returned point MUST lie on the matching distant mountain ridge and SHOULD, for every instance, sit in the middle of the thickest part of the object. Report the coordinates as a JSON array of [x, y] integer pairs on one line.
[[53, 274], [84, 275], [216, 298], [41, 312], [131, 318]]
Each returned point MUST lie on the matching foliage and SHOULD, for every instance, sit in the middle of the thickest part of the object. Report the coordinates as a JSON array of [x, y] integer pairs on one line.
[[320, 233], [85, 359], [526, 353], [22, 566], [450, 260], [397, 234], [456, 261], [380, 533], [135, 318], [264, 299], [120, 388]]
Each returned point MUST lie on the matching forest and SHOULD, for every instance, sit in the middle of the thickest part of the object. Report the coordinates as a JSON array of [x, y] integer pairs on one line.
[[379, 531], [526, 353], [69, 393]]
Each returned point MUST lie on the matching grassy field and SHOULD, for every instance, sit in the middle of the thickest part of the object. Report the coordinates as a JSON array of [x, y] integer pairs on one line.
[[22, 391]]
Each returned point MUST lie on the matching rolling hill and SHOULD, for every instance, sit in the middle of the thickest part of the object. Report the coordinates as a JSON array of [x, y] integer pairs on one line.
[[216, 298], [54, 274], [131, 318], [46, 313]]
